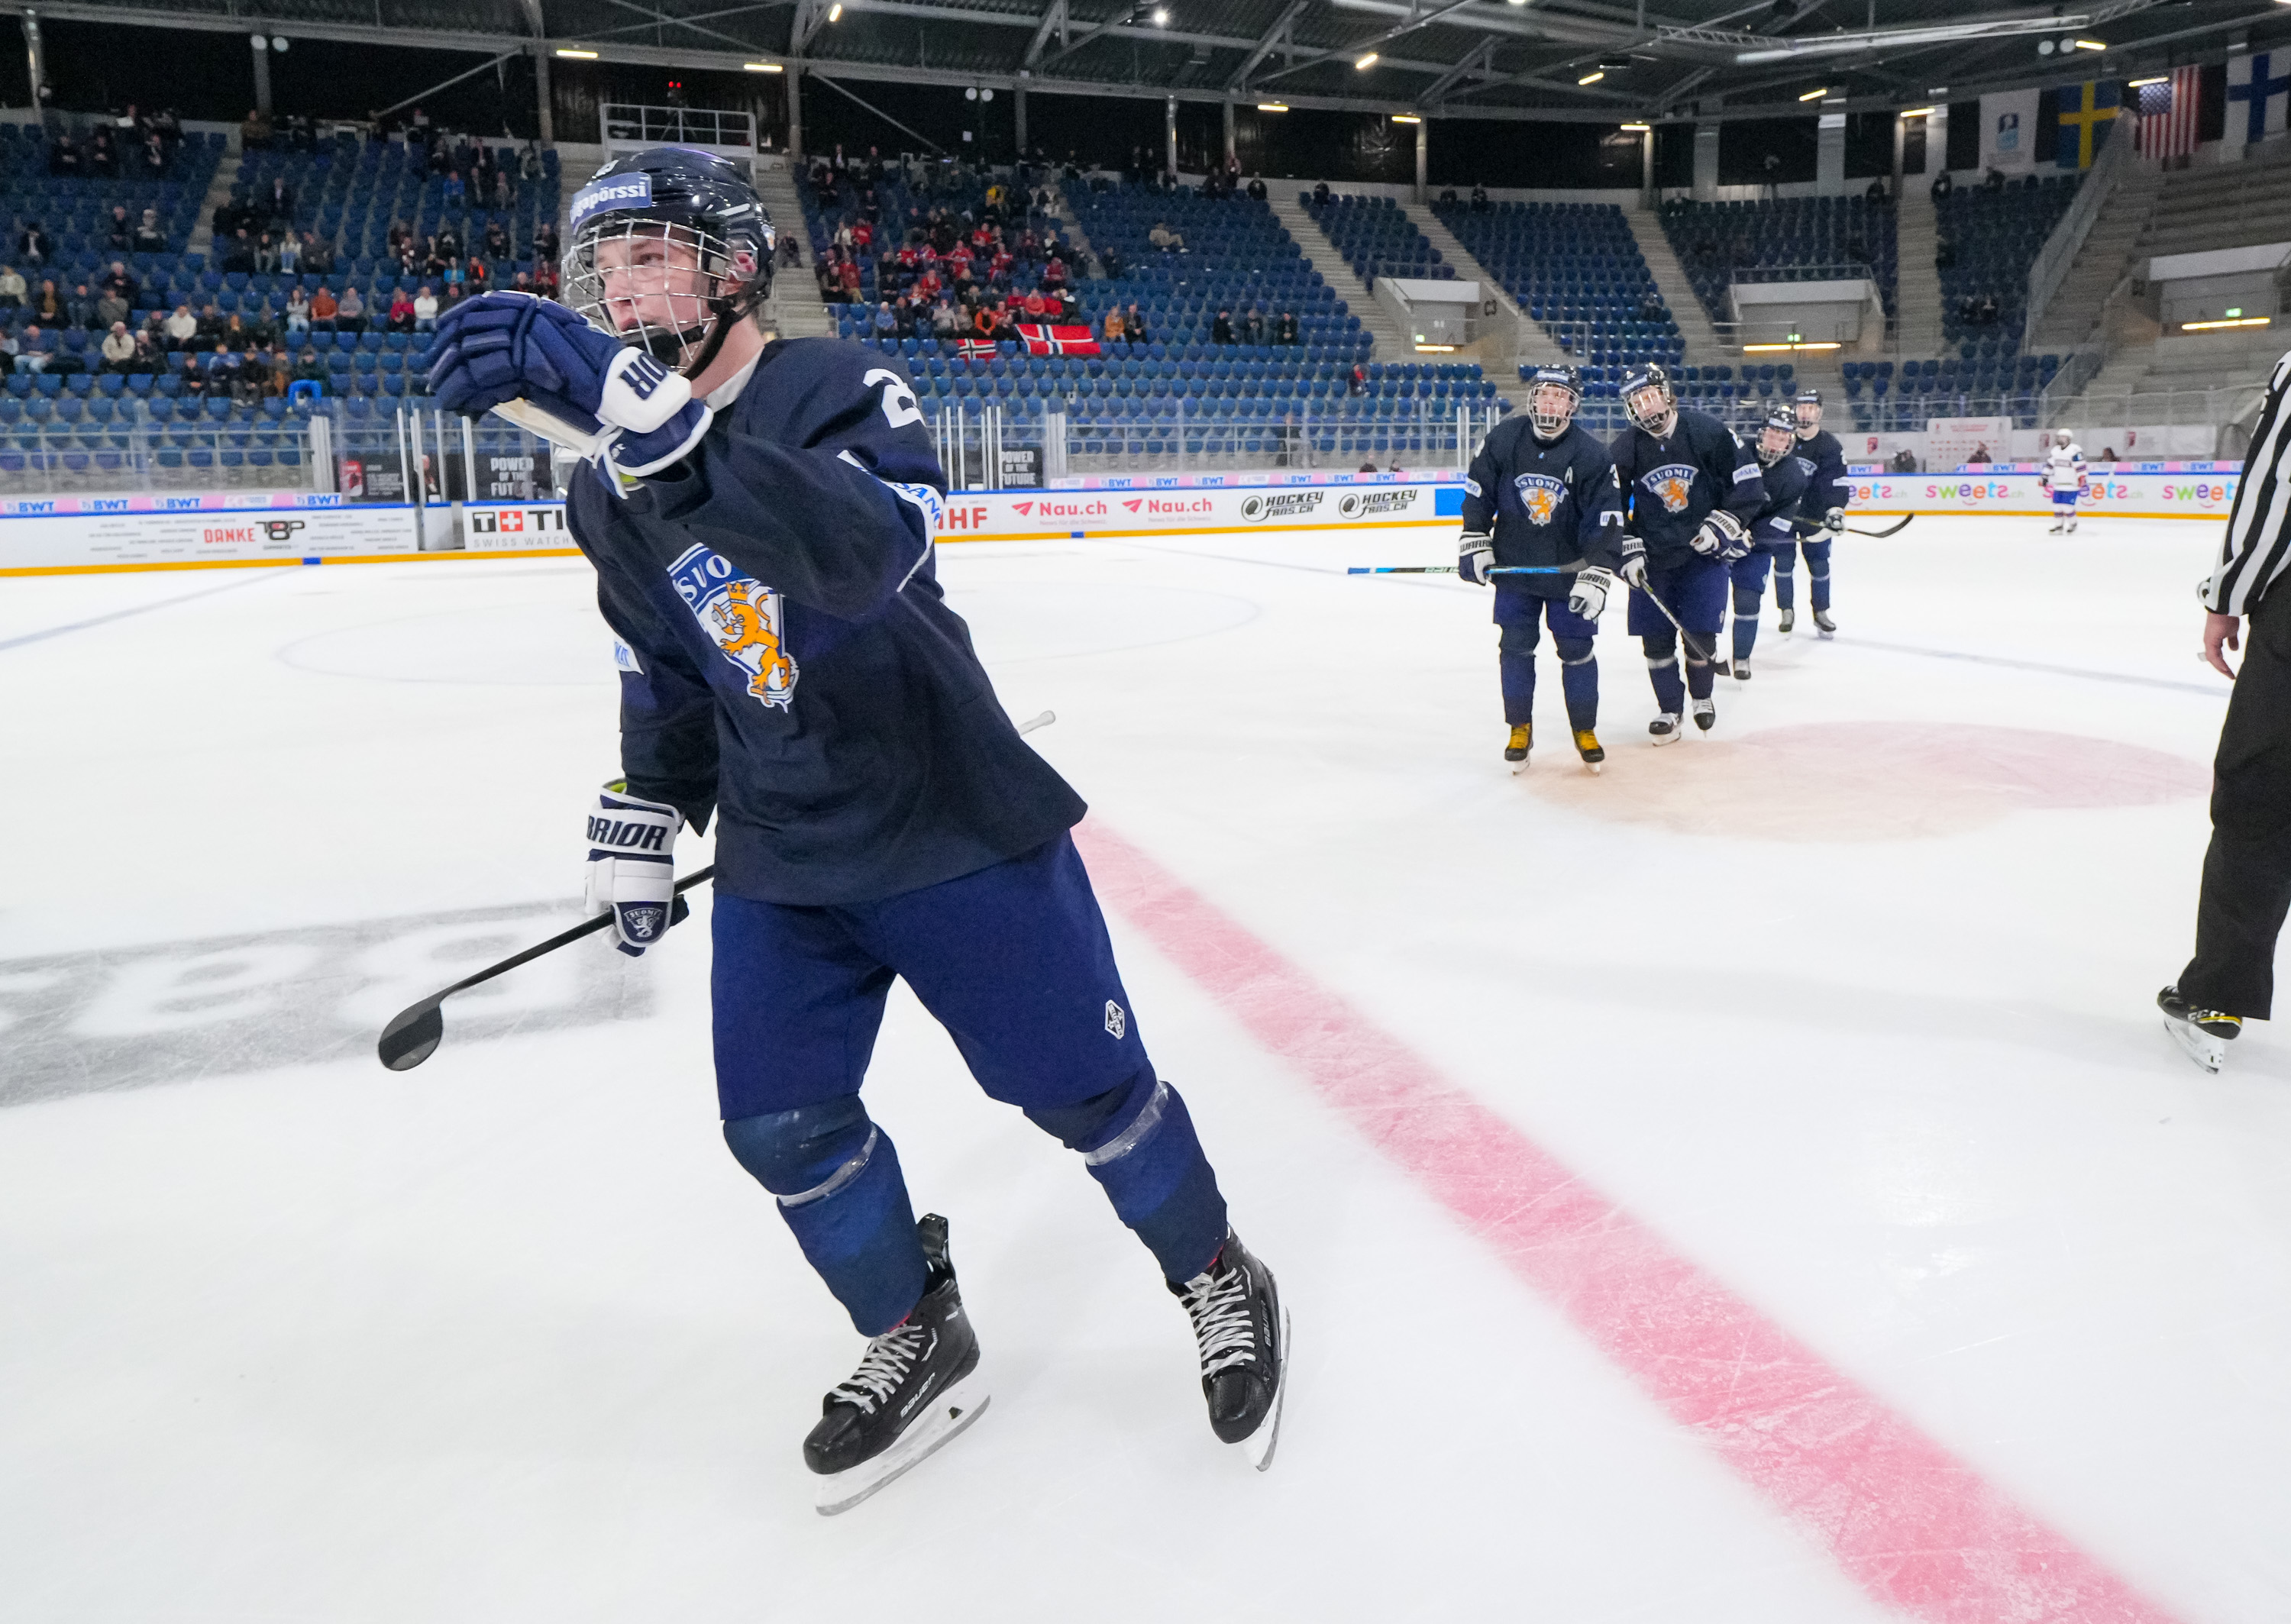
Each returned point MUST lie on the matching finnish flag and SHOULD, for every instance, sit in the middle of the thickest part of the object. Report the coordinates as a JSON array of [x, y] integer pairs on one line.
[[2258, 90]]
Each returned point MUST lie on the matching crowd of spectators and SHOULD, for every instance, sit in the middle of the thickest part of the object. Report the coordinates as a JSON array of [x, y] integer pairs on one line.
[[136, 145]]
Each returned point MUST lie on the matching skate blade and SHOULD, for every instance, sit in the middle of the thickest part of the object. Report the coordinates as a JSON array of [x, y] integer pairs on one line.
[[2205, 1050], [1593, 768], [952, 1412], [1260, 1445], [1517, 767]]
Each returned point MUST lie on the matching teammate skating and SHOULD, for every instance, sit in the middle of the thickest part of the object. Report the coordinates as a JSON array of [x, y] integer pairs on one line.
[[761, 516], [1691, 491], [2065, 476], [1540, 495], [1773, 532], [1827, 491]]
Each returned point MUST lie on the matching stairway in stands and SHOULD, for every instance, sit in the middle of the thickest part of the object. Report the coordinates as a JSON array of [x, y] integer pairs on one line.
[[1535, 344], [1389, 346], [1917, 323], [796, 309], [1703, 348]]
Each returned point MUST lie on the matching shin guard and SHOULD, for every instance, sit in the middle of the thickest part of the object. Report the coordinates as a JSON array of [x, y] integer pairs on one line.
[[1138, 1143], [841, 1191]]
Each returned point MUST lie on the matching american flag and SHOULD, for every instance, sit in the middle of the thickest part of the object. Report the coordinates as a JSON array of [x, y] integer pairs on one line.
[[2167, 116]]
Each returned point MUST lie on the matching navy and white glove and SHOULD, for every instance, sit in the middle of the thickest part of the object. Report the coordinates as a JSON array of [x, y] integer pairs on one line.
[[1589, 596], [632, 867], [1721, 537], [1633, 568], [1476, 556], [578, 386], [1834, 521]]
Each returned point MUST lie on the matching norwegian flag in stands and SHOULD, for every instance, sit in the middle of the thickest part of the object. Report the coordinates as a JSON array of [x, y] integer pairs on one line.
[[2167, 116], [1042, 340], [976, 348]]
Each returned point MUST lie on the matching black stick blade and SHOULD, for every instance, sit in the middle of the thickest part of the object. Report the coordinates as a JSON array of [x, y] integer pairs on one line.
[[412, 1036]]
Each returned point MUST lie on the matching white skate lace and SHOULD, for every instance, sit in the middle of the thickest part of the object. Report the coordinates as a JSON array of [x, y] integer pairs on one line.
[[883, 1367], [1221, 1322]]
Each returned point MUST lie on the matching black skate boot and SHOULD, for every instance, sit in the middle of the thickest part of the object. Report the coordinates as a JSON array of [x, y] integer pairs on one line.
[[1664, 728], [1788, 619], [1243, 1333], [917, 1386], [1741, 670], [2204, 1034], [1706, 713], [1823, 623]]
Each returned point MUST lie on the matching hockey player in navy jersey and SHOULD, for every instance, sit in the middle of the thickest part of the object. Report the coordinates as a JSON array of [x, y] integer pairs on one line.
[[762, 517], [1541, 495], [1827, 491], [1773, 530], [1690, 491]]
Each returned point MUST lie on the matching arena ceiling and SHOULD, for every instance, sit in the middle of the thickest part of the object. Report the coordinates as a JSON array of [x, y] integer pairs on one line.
[[1599, 61]]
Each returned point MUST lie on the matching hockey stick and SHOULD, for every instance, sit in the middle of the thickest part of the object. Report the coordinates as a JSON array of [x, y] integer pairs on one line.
[[1450, 569], [414, 1032], [1706, 653], [1804, 524]]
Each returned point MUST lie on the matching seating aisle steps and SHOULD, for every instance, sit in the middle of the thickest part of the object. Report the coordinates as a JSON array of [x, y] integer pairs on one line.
[[797, 310], [1917, 322], [226, 176], [1388, 345], [1535, 342], [1703, 347]]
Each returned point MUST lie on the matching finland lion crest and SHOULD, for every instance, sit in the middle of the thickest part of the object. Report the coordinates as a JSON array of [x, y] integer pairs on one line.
[[744, 618], [1539, 494], [1672, 484]]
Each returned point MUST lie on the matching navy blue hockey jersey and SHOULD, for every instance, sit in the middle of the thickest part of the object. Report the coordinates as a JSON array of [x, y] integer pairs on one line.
[[1827, 484], [792, 665], [1672, 485], [1786, 485], [1546, 503]]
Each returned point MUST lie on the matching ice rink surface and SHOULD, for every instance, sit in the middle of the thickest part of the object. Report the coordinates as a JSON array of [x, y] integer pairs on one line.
[[1844, 1009]]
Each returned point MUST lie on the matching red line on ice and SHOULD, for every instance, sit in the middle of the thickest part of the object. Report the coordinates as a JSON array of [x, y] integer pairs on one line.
[[1915, 1526]]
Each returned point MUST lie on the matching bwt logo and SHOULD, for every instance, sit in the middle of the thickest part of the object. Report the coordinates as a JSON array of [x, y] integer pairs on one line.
[[966, 519]]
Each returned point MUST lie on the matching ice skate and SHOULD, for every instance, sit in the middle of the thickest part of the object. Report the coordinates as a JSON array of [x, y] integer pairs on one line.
[[2057, 526], [916, 1388], [1588, 746], [1665, 728], [1706, 714], [1515, 751], [2204, 1034], [1243, 1332], [1823, 623], [2072, 524], [1741, 670], [1787, 618]]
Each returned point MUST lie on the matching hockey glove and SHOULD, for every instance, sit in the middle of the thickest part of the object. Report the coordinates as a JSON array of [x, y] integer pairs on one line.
[[1589, 596], [1834, 521], [1633, 568], [632, 867], [1721, 537], [1476, 556]]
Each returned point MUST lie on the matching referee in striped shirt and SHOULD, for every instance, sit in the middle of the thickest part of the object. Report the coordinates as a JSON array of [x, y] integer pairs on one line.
[[2246, 886]]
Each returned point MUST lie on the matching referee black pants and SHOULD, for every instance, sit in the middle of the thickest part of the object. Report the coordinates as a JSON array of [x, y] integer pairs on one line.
[[2248, 868]]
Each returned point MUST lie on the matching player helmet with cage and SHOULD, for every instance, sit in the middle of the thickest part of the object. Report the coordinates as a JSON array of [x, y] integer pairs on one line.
[[1777, 435], [1647, 400], [668, 250], [1809, 413], [1553, 394]]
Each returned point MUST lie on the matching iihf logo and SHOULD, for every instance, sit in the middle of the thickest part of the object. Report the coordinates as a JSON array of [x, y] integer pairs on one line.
[[1117, 1021]]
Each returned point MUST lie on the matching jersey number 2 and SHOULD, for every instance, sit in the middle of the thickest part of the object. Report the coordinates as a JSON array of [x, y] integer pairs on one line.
[[899, 407]]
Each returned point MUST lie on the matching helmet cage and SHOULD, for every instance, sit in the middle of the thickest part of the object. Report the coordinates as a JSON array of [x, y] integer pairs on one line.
[[1551, 424], [1809, 418], [1656, 420], [1770, 453], [625, 274]]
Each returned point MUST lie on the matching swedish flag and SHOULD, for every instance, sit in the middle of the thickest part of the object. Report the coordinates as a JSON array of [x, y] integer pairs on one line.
[[2085, 114]]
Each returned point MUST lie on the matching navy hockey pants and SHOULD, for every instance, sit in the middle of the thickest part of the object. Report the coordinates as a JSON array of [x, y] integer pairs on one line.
[[1014, 961], [1696, 592], [1817, 568], [1521, 616], [1749, 576]]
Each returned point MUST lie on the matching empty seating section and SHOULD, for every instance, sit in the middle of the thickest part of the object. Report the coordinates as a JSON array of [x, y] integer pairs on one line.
[[1377, 240], [1986, 243], [1787, 239], [1890, 398], [1576, 269]]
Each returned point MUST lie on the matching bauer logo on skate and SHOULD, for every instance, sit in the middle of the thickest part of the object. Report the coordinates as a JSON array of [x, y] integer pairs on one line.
[[744, 618], [1672, 484], [1540, 494]]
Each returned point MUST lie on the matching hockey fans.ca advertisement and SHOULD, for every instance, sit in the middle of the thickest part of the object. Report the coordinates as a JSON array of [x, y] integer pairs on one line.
[[151, 532], [2179, 490]]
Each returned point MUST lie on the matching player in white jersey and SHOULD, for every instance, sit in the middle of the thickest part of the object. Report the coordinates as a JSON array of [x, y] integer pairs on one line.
[[2064, 477]]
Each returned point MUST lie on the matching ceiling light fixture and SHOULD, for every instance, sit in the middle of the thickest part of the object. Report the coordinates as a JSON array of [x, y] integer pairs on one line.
[[1362, 64], [835, 12], [1407, 118], [761, 67], [2092, 44], [1917, 112], [1895, 39], [1161, 17], [1593, 78], [576, 53], [1815, 95], [1272, 107], [2162, 78], [1637, 129]]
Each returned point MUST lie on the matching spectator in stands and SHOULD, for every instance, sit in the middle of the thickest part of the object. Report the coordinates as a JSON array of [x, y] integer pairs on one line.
[[298, 310], [65, 157], [309, 369], [1133, 329], [8, 350], [349, 311], [1480, 203], [2108, 453], [324, 310], [1221, 329], [211, 325], [150, 357], [12, 288], [153, 157], [34, 246], [277, 202], [1985, 312], [102, 155], [182, 327], [255, 131], [449, 242], [496, 243], [1252, 327], [456, 281], [79, 308], [887, 320], [1165, 239], [238, 252], [1284, 330], [1877, 192], [318, 255], [1116, 325], [401, 311], [149, 238], [290, 253], [544, 278], [1358, 384], [191, 377], [457, 191], [1650, 307], [1942, 186], [529, 165], [425, 309], [118, 348], [110, 309], [945, 326], [1981, 455], [32, 351], [118, 231], [1904, 461], [1257, 187], [1320, 194], [118, 279], [48, 305], [266, 255]]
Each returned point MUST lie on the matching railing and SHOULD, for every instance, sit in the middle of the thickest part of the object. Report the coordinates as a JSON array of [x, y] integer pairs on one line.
[[41, 459], [630, 128], [2054, 260]]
